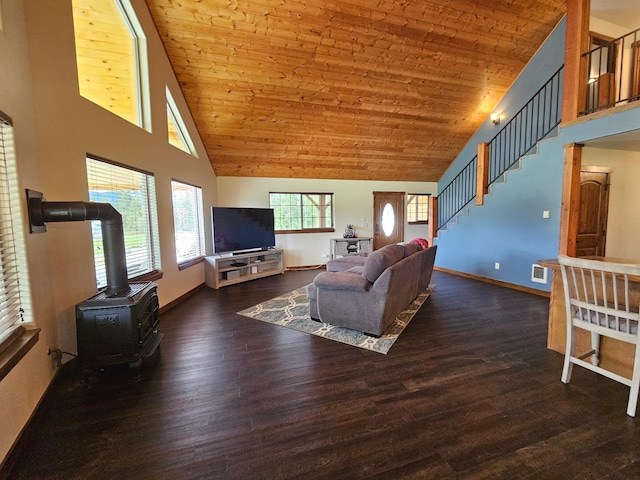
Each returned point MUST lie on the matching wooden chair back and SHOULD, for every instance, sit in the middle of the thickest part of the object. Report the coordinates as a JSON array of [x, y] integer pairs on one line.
[[598, 299]]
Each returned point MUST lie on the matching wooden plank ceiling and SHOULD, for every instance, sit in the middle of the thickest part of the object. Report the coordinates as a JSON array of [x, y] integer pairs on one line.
[[346, 89]]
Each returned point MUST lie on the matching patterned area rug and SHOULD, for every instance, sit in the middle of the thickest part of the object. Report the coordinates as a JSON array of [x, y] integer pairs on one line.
[[292, 310]]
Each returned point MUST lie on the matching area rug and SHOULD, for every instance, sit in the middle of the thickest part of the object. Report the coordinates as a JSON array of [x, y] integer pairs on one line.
[[291, 310]]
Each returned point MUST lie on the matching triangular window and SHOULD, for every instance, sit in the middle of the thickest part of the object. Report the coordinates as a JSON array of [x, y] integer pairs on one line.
[[178, 134]]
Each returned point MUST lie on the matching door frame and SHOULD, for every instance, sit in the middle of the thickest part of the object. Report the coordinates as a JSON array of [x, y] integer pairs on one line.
[[604, 214], [400, 217]]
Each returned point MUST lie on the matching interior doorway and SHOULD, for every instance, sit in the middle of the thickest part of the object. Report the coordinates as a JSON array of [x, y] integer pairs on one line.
[[593, 212], [388, 217], [601, 90]]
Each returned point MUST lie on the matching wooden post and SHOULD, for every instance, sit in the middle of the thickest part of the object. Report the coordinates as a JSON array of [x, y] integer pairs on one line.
[[482, 174], [433, 218], [570, 199], [575, 67]]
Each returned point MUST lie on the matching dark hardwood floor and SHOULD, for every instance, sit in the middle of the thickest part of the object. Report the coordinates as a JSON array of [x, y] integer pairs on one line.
[[469, 391]]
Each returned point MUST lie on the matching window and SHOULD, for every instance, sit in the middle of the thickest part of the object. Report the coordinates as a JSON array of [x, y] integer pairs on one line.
[[131, 192], [188, 221], [178, 133], [302, 212], [418, 208], [109, 55], [15, 298]]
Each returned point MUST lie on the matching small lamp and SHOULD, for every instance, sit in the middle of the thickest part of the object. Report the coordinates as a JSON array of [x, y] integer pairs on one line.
[[495, 118]]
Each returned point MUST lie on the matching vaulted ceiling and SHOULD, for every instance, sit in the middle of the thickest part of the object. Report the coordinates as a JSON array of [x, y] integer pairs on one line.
[[346, 89]]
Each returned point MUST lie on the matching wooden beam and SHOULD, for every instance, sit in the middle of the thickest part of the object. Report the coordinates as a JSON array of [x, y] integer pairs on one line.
[[482, 174], [575, 68], [433, 218], [570, 199]]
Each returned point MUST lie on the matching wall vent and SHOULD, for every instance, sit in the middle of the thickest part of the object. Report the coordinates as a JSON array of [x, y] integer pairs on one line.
[[538, 273]]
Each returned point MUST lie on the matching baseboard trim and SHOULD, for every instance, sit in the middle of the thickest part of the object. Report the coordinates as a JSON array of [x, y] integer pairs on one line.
[[307, 267], [512, 286], [165, 308]]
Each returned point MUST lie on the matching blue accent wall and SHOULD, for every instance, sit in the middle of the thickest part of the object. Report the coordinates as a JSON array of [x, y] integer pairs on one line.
[[509, 228]]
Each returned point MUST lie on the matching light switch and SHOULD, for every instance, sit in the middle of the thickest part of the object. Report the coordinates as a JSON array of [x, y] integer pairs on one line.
[[546, 214]]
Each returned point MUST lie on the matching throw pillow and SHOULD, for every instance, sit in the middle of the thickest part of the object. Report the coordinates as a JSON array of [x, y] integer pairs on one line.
[[380, 260]]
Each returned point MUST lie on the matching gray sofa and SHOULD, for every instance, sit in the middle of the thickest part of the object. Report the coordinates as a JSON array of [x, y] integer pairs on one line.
[[367, 293]]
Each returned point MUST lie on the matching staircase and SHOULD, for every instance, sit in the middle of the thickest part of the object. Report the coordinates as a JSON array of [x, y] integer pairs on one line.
[[518, 139]]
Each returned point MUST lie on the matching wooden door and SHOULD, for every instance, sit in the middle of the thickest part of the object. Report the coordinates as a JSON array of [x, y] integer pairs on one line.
[[592, 217], [601, 90], [388, 216]]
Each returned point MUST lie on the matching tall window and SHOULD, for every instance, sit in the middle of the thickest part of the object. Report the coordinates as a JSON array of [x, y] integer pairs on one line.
[[178, 133], [302, 212], [417, 208], [15, 298], [188, 221], [109, 53], [132, 192]]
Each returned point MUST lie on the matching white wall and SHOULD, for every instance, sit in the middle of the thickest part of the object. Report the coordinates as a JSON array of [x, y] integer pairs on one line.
[[55, 128], [623, 225], [353, 205]]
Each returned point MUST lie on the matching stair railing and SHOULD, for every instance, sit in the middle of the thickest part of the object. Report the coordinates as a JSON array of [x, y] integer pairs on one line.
[[533, 122], [537, 119], [460, 192]]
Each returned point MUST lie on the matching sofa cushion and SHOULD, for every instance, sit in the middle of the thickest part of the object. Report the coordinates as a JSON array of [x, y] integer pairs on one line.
[[380, 260], [344, 263], [341, 281], [411, 248]]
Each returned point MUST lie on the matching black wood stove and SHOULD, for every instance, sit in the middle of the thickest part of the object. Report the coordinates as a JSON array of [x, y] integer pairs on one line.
[[119, 324], [115, 330]]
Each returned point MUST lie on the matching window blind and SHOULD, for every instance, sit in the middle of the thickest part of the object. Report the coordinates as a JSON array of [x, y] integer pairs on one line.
[[188, 221], [13, 294], [131, 192]]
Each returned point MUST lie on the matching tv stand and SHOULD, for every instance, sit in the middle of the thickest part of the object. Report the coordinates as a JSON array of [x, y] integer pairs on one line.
[[228, 270]]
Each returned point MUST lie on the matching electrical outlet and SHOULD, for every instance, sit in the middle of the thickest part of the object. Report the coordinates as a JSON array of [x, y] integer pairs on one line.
[[325, 255], [496, 265]]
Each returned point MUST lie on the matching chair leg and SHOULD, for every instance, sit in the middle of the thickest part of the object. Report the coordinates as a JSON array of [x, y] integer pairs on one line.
[[635, 384], [595, 346], [570, 347]]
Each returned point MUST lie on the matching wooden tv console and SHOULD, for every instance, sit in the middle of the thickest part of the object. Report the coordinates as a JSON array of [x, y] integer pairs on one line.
[[224, 270]]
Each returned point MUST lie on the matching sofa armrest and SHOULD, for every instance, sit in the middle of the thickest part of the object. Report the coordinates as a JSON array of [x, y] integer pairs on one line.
[[341, 281]]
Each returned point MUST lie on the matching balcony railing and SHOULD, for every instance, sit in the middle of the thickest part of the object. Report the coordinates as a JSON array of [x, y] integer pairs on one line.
[[613, 73]]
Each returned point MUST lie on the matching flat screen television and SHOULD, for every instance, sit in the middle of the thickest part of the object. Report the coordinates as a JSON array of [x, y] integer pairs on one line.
[[242, 229]]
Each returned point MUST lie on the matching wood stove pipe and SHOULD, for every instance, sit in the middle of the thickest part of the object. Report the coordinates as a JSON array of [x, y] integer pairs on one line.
[[41, 212]]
